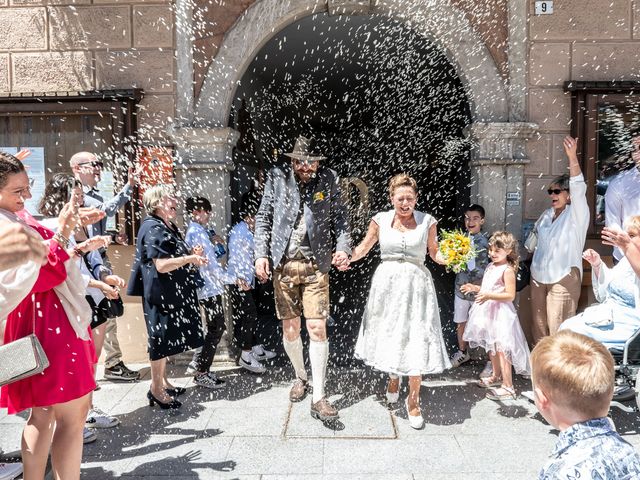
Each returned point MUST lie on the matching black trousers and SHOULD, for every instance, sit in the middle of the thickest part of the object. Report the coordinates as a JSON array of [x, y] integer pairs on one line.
[[214, 321], [245, 315]]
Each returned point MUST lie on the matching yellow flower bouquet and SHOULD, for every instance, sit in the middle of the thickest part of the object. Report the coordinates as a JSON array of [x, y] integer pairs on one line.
[[456, 249]]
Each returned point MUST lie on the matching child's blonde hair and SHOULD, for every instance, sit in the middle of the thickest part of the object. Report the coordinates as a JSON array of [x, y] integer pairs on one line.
[[506, 241], [574, 371], [632, 223]]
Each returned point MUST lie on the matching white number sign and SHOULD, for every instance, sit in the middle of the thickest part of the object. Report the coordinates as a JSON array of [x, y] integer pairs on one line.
[[544, 8]]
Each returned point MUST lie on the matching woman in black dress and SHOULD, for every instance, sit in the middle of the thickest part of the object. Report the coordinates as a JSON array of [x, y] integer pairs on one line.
[[165, 275]]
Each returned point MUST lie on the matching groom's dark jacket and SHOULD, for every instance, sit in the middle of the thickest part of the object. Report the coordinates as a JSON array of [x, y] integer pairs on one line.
[[324, 214]]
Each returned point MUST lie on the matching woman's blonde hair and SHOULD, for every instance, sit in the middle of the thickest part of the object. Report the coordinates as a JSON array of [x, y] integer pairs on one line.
[[633, 222], [506, 241], [574, 371], [153, 197], [402, 180]]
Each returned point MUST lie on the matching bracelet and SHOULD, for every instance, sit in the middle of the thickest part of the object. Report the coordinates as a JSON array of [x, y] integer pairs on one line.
[[78, 252], [62, 240]]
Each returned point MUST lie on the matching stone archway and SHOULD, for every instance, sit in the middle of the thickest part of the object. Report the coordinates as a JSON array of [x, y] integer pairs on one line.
[[439, 21], [205, 143]]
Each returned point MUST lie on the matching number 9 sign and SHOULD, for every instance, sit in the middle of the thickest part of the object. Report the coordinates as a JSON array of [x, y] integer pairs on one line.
[[544, 7]]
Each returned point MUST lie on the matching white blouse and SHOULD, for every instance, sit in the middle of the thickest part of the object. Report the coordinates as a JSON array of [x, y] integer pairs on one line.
[[560, 242]]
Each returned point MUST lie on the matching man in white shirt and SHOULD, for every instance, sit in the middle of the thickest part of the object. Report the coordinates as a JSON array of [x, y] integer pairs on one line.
[[622, 199]]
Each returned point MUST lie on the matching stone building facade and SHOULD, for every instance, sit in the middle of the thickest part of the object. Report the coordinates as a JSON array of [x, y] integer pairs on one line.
[[189, 55]]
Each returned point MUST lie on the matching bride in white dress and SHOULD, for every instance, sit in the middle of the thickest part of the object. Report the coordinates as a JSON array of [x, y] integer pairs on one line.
[[401, 332]]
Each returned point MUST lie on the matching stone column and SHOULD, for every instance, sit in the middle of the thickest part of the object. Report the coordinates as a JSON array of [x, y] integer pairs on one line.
[[497, 172], [203, 167]]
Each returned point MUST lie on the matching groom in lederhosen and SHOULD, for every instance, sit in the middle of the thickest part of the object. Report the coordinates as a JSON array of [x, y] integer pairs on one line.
[[300, 215]]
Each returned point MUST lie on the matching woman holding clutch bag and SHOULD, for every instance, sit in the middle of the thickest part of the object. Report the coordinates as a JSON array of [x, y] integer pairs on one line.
[[164, 274], [556, 268], [59, 396]]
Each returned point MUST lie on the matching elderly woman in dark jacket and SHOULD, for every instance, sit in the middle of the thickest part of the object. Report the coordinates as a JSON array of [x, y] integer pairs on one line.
[[165, 276]]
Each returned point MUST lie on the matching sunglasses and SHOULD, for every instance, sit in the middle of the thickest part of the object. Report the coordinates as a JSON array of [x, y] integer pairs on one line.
[[92, 164], [556, 191], [304, 161]]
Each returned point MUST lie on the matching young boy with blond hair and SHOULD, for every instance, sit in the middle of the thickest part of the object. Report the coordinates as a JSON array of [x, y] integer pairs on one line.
[[573, 378]]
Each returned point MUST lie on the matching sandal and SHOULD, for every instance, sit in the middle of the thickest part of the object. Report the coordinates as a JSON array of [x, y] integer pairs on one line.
[[502, 393], [489, 382]]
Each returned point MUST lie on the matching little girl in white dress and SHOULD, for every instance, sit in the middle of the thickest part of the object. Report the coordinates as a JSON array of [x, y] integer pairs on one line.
[[493, 322]]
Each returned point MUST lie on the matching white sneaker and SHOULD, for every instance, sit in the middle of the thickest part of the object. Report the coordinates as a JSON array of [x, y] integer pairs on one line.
[[487, 371], [99, 419], [260, 353], [88, 436], [249, 362], [208, 380], [9, 471], [459, 358]]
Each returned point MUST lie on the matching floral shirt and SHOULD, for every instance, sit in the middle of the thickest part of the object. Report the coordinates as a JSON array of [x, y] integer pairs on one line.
[[592, 450]]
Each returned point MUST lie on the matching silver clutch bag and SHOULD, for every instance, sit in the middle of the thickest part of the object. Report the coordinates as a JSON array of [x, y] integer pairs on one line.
[[21, 358]]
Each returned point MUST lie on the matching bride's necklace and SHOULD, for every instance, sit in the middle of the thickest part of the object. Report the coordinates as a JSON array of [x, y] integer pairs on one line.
[[404, 225]]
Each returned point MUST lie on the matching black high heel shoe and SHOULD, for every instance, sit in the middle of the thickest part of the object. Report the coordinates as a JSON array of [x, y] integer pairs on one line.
[[175, 391], [164, 406]]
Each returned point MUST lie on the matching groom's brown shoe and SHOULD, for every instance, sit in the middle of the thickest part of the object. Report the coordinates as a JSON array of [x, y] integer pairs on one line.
[[323, 410], [299, 390]]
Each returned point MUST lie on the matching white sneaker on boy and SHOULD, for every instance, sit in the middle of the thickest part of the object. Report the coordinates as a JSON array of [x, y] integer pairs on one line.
[[249, 362], [260, 353], [459, 358]]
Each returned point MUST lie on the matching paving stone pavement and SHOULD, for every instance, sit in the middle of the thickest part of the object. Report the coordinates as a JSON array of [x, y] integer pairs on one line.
[[249, 430]]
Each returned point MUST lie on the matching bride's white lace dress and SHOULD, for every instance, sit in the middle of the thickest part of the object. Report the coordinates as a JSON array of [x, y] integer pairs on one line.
[[401, 331]]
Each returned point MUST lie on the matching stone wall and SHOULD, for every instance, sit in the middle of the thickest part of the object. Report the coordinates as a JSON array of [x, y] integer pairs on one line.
[[61, 45], [581, 40], [214, 20]]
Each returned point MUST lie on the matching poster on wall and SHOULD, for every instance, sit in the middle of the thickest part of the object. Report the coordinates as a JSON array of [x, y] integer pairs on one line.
[[34, 163], [155, 167]]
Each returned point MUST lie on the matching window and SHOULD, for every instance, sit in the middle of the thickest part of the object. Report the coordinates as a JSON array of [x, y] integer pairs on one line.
[[57, 126]]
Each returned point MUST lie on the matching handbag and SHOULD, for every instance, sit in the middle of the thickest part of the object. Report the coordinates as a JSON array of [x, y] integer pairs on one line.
[[22, 358], [112, 308], [532, 240]]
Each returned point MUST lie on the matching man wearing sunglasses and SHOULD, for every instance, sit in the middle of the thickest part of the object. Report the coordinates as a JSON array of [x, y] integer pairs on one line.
[[622, 199], [88, 169], [300, 215]]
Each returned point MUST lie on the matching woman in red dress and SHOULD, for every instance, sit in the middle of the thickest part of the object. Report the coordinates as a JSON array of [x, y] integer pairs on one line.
[[59, 396]]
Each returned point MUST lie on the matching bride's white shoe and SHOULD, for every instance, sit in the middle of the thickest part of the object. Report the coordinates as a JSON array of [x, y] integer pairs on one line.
[[416, 422], [393, 397]]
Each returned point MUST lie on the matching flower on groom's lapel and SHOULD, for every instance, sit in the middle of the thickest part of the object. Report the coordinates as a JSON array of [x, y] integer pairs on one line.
[[319, 196]]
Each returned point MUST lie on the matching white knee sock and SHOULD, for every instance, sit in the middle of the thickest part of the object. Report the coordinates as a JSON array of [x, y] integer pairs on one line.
[[318, 354], [294, 352]]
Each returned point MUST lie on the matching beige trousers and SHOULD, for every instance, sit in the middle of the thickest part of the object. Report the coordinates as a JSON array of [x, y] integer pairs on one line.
[[112, 352], [553, 303]]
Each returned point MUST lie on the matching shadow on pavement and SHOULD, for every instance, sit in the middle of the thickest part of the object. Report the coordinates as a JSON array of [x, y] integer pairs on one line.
[[183, 465]]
